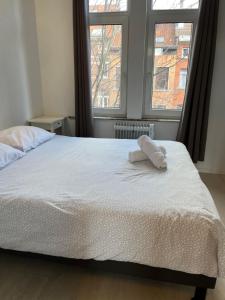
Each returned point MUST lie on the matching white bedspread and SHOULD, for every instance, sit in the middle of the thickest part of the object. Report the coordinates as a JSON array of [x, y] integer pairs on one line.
[[81, 198]]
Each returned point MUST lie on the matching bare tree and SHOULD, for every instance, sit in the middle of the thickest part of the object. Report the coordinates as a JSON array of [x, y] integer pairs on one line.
[[106, 56]]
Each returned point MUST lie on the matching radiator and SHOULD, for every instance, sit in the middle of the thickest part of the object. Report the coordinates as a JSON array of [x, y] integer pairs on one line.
[[133, 129]]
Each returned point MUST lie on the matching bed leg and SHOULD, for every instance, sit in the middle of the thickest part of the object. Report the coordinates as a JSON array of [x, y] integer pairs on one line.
[[200, 294]]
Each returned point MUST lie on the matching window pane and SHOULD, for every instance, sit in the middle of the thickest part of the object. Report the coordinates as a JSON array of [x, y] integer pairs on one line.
[[101, 6], [106, 51], [175, 4], [171, 61]]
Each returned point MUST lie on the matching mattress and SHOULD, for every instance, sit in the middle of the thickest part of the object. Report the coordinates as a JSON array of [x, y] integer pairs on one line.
[[81, 198]]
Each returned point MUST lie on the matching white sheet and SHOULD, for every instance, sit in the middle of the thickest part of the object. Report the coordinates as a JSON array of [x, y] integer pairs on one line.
[[81, 198]]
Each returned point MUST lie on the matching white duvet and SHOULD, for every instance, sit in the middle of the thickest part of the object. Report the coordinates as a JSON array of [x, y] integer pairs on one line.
[[81, 198]]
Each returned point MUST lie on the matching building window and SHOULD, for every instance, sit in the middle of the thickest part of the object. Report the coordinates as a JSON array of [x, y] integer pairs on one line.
[[106, 67], [103, 101], [183, 79], [180, 25], [161, 78], [117, 78], [158, 51], [185, 52], [108, 35], [159, 39]]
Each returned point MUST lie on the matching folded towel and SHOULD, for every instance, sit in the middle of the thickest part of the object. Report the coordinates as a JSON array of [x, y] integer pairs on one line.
[[153, 152], [137, 156], [163, 150]]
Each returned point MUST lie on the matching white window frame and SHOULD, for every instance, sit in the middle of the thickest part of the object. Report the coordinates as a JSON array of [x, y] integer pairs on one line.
[[115, 18], [161, 17]]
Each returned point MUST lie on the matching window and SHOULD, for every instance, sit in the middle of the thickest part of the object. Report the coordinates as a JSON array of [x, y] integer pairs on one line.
[[183, 78], [185, 52], [117, 77], [108, 35], [158, 51], [106, 67], [103, 100], [175, 4], [159, 39], [184, 38], [180, 25], [165, 87], [97, 33], [168, 66], [137, 72], [161, 76]]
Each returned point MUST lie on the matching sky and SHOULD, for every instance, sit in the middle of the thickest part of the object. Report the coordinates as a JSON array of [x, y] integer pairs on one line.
[[174, 4], [157, 4]]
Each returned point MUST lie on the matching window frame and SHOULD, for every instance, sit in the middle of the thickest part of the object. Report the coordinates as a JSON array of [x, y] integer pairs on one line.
[[115, 18], [162, 17]]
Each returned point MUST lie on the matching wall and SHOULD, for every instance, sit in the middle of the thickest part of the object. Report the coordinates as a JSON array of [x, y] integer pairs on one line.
[[55, 38], [20, 90], [163, 130], [215, 153]]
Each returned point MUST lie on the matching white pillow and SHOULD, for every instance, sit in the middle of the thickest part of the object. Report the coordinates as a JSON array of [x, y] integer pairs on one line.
[[25, 138], [8, 155]]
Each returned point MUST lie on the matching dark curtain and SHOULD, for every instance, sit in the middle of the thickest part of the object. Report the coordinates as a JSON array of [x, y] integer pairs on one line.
[[194, 120], [83, 105]]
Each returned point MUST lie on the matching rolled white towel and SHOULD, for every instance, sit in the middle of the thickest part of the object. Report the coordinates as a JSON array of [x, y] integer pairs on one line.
[[163, 150], [153, 152], [137, 156]]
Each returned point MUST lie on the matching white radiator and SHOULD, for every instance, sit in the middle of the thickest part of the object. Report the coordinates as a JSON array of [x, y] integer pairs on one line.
[[133, 129]]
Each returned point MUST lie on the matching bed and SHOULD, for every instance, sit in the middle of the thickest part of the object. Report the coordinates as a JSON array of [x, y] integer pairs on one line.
[[82, 199]]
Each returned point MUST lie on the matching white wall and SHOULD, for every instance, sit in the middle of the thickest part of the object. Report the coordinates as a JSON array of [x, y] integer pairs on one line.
[[55, 38], [215, 149], [163, 130], [20, 90]]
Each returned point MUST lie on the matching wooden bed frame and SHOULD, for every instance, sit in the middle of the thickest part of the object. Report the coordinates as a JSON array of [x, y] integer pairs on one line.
[[200, 282]]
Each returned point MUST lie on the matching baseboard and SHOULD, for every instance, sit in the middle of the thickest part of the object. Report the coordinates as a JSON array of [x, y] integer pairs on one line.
[[210, 170]]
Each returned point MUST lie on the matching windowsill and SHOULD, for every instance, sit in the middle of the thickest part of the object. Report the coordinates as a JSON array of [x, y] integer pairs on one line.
[[153, 119], [161, 119]]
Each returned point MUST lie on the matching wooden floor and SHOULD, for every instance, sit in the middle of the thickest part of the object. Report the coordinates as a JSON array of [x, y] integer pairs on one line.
[[26, 278]]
